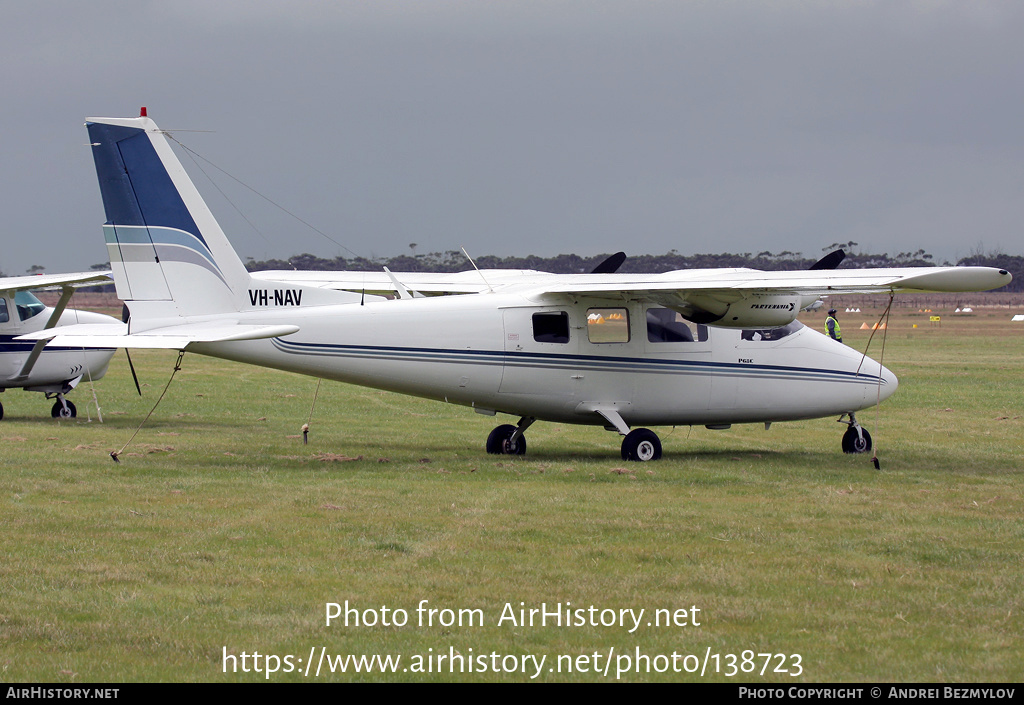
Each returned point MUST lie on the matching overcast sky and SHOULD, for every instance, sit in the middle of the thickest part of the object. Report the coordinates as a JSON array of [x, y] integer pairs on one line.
[[540, 127]]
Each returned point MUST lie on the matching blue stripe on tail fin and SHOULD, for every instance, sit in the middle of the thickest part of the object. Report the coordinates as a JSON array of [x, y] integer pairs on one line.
[[169, 257], [135, 185]]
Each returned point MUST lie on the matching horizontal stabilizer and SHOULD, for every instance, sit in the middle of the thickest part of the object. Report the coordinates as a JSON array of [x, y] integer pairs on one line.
[[168, 338]]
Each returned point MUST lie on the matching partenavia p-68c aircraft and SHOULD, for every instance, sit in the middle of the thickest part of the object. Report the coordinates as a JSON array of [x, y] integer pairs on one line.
[[53, 370], [711, 347]]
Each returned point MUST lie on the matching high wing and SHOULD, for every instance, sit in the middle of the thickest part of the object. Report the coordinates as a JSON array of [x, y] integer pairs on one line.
[[847, 281], [743, 298], [818, 282], [725, 297]]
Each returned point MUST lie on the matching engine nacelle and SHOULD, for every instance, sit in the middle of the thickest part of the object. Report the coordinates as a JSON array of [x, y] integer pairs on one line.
[[752, 311]]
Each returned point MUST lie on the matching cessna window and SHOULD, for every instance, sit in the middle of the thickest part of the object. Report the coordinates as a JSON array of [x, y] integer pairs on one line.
[[772, 333], [4, 316], [666, 326], [28, 305], [551, 327], [608, 325]]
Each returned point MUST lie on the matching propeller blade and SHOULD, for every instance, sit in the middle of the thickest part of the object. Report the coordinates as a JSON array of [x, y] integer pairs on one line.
[[829, 261], [611, 264]]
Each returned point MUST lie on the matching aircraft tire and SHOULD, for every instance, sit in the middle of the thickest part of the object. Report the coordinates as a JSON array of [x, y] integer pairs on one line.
[[641, 445], [853, 443], [1, 411], [58, 411], [499, 441]]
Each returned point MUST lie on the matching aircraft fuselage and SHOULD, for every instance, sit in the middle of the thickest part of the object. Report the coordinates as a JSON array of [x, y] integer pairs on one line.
[[563, 360]]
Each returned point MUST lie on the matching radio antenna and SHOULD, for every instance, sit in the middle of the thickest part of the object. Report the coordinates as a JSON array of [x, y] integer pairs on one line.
[[477, 270]]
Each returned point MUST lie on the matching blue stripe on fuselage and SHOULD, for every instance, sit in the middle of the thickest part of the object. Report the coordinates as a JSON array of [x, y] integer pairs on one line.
[[574, 362]]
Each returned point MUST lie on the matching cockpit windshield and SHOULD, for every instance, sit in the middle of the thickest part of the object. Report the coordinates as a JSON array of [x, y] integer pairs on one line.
[[28, 305], [666, 326], [772, 333]]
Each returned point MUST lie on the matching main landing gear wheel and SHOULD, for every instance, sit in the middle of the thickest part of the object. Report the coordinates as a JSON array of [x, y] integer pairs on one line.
[[501, 442], [1, 411], [641, 445], [856, 439], [63, 409]]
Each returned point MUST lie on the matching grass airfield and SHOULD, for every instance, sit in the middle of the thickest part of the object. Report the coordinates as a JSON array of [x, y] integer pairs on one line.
[[220, 532]]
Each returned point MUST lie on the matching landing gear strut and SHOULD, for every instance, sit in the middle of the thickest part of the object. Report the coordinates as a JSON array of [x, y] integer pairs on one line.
[[508, 439], [856, 439]]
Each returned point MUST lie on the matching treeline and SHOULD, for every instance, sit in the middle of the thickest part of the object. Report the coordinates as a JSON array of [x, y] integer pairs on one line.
[[455, 261]]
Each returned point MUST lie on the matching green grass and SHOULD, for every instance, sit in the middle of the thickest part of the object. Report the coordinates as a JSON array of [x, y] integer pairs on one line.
[[219, 528]]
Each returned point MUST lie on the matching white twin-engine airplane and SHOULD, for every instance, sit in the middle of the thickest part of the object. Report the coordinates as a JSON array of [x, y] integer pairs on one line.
[[53, 370], [624, 351]]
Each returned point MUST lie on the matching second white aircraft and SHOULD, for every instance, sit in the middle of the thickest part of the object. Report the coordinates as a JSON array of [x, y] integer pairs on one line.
[[52, 370]]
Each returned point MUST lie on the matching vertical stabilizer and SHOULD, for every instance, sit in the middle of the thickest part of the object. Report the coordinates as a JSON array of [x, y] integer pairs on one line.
[[169, 256]]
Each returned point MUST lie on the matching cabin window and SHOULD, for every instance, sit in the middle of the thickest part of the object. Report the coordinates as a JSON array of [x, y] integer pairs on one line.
[[551, 327], [28, 305], [767, 334], [666, 326], [4, 316], [608, 325]]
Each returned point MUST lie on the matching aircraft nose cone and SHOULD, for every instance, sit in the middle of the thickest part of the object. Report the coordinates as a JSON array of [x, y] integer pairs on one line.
[[889, 383], [879, 384]]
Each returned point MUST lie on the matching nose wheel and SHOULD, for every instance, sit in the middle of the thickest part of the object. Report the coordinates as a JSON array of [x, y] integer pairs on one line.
[[63, 409], [856, 439]]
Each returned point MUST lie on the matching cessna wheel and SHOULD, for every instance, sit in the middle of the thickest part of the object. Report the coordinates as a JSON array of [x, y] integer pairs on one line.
[[641, 445], [856, 443], [59, 412], [500, 442], [1, 411]]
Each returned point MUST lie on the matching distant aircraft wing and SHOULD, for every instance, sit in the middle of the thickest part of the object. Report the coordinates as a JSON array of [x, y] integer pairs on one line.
[[471, 282], [44, 281], [116, 335]]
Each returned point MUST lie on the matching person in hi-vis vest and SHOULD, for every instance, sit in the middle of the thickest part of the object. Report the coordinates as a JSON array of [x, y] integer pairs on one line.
[[832, 326]]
